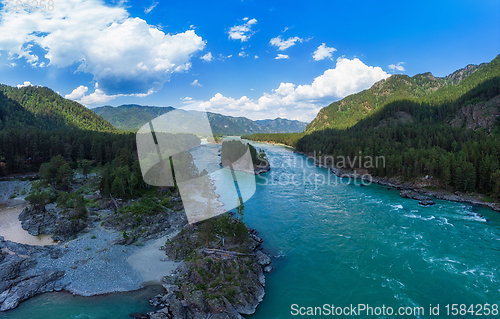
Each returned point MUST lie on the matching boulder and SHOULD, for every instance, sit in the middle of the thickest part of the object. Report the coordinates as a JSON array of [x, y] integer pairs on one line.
[[262, 258], [423, 200]]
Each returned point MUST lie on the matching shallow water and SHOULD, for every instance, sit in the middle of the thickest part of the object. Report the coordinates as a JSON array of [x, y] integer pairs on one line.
[[342, 244], [60, 305], [11, 229]]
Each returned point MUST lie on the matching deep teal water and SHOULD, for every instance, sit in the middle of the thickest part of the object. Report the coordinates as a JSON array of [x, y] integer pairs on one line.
[[345, 244], [61, 305], [342, 244]]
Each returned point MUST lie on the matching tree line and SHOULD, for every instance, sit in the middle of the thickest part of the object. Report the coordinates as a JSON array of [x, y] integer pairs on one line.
[[24, 150]]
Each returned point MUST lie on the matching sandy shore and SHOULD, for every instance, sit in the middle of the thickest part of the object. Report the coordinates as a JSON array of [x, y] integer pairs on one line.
[[150, 261], [94, 265]]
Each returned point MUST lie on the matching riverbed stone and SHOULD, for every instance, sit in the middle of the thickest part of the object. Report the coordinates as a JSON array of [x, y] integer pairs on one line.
[[423, 200], [262, 258]]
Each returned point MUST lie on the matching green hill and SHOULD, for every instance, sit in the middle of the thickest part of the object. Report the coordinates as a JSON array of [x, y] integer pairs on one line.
[[37, 124], [42, 108], [348, 111], [132, 117]]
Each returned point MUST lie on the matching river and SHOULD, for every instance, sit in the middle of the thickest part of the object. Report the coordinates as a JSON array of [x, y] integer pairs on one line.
[[341, 244]]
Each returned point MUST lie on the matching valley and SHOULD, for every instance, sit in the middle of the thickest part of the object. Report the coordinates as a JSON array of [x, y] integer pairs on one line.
[[381, 186]]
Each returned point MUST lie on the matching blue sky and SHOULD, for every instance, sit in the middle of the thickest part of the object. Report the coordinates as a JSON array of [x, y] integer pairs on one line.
[[259, 59]]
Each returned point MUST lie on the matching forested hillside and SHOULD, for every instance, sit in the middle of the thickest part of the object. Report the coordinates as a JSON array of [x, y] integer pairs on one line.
[[37, 124], [42, 108], [417, 139], [350, 110], [229, 125], [289, 139]]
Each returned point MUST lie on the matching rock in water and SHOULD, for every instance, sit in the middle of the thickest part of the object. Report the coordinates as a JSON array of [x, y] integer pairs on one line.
[[426, 202], [423, 200], [262, 258]]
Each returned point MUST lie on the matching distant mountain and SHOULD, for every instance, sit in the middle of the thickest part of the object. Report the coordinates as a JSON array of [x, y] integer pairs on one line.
[[350, 110], [41, 108], [222, 124], [131, 117], [280, 125], [228, 125]]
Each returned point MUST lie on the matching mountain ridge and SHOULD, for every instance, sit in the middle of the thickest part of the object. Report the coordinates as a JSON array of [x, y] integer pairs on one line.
[[351, 109], [130, 117], [42, 108]]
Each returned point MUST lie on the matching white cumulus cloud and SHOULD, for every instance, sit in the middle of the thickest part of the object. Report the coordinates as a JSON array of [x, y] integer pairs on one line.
[[323, 52], [98, 97], [150, 8], [196, 83], [243, 103], [124, 54], [207, 57], [302, 102], [77, 93], [282, 45], [281, 56], [397, 67], [26, 83], [242, 32]]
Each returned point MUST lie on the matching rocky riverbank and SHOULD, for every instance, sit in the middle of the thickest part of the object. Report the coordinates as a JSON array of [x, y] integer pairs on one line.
[[261, 169], [419, 190], [20, 279], [221, 279], [255, 169], [104, 255], [94, 263], [61, 225]]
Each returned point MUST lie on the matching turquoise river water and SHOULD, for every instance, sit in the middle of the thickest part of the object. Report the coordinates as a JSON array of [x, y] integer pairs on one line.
[[336, 243]]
